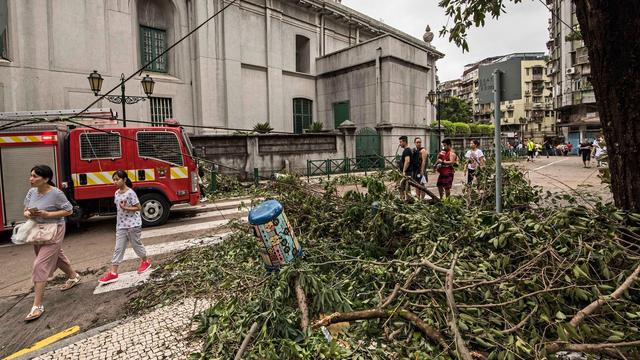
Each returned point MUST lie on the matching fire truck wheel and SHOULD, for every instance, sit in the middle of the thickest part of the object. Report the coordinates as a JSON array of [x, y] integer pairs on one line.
[[155, 209]]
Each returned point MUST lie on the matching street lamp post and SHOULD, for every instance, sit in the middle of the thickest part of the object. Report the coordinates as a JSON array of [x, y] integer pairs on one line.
[[435, 98], [95, 82]]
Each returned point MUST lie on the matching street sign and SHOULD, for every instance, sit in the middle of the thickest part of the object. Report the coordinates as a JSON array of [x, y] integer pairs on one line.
[[511, 81]]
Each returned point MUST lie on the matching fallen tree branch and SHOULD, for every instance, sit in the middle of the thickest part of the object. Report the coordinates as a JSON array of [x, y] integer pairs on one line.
[[589, 348], [453, 317], [397, 288], [302, 303], [522, 323], [462, 306], [594, 306], [378, 313], [246, 341]]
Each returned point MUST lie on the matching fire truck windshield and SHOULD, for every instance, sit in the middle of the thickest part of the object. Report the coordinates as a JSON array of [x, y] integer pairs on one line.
[[187, 143]]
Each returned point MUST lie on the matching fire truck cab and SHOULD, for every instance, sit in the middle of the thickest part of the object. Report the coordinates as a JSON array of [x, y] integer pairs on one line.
[[158, 161]]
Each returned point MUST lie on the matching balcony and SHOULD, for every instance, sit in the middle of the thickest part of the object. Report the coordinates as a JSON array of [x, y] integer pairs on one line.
[[537, 77], [537, 91]]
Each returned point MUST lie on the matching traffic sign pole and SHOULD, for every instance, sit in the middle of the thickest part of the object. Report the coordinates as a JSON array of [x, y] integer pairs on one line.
[[497, 139]]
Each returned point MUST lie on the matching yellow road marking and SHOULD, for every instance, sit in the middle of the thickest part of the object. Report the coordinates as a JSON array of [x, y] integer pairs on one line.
[[44, 342]]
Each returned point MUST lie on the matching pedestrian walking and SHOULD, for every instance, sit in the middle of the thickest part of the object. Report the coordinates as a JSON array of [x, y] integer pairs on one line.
[[419, 164], [530, 149], [585, 151], [599, 149], [475, 161], [46, 204], [546, 145], [447, 158], [128, 227]]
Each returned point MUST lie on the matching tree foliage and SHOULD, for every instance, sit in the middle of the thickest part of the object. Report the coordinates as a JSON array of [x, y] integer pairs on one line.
[[385, 277], [455, 110]]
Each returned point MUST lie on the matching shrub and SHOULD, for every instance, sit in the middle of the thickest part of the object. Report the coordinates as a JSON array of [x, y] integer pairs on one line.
[[315, 127], [461, 128], [263, 128]]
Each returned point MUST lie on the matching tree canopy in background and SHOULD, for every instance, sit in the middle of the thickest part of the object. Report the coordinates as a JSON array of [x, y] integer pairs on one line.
[[456, 110]]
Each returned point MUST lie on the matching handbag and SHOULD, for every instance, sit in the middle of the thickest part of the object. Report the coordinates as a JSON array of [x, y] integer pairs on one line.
[[21, 232], [42, 234]]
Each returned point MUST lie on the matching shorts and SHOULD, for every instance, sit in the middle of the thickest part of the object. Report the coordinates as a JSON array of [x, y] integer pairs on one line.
[[530, 153], [586, 155], [471, 173]]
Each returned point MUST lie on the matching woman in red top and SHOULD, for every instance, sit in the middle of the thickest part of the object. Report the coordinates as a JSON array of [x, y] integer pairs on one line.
[[444, 166]]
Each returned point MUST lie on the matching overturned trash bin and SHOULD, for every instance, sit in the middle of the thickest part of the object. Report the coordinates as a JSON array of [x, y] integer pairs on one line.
[[276, 241]]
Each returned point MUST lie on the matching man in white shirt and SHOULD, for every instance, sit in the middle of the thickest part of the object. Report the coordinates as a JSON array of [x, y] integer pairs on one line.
[[475, 159]]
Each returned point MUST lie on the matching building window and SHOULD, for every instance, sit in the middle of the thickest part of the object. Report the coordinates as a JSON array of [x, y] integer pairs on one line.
[[4, 30], [302, 54], [539, 127], [100, 145], [161, 109], [160, 145], [301, 115], [152, 43]]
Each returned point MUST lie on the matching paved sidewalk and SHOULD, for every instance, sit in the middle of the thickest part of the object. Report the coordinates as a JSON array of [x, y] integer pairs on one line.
[[159, 334]]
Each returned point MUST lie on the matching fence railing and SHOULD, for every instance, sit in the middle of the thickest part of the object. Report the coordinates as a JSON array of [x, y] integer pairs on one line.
[[349, 165]]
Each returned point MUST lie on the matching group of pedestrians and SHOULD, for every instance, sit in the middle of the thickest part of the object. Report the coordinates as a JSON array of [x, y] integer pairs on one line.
[[413, 163], [595, 149], [47, 206]]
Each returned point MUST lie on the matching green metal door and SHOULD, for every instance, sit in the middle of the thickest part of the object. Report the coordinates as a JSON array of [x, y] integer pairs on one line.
[[368, 149], [340, 112]]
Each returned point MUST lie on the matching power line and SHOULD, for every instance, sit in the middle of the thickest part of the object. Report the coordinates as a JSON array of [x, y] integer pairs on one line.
[[553, 14], [139, 71]]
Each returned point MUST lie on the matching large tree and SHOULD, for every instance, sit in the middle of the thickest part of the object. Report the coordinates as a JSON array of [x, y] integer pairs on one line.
[[611, 32], [456, 110]]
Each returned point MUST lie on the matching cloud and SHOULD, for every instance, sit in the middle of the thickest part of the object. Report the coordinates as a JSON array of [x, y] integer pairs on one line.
[[523, 28]]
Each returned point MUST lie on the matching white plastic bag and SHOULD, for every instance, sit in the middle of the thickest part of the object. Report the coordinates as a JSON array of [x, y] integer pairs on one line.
[[20, 232]]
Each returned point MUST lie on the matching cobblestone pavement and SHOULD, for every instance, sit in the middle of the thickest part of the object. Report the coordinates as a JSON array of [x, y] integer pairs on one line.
[[159, 334]]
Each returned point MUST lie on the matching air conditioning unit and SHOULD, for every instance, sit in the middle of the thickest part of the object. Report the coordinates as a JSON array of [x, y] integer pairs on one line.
[[571, 71]]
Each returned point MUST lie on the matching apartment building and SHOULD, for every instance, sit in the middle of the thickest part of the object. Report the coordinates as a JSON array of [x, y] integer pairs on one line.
[[530, 116], [570, 72]]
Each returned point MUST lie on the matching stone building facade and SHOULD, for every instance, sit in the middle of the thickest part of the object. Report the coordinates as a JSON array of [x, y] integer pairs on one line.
[[258, 61]]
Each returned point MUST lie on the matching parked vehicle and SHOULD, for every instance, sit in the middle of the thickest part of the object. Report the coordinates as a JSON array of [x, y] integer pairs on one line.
[[158, 160]]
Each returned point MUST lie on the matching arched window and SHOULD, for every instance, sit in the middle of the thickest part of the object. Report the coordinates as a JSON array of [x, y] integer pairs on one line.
[[302, 54], [302, 114], [156, 30]]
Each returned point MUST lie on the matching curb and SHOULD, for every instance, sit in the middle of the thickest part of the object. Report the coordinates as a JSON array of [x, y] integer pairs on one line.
[[71, 340]]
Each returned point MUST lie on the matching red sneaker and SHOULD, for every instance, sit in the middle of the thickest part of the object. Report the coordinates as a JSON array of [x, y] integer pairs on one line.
[[144, 266], [108, 278]]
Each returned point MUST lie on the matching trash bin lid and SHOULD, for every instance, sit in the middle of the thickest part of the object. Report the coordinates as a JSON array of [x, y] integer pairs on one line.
[[265, 212]]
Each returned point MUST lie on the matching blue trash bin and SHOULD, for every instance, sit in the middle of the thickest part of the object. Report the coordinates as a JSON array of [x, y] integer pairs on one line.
[[276, 240]]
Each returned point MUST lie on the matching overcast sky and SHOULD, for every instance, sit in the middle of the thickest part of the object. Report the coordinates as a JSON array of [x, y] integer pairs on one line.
[[522, 29]]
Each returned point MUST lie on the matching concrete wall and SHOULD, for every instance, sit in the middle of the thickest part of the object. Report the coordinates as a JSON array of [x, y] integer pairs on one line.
[[386, 81], [240, 154]]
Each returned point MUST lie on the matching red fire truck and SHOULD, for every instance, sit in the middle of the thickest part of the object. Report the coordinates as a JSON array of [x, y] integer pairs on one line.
[[158, 160]]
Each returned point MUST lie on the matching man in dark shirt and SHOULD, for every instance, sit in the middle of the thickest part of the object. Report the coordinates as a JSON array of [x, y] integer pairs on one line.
[[404, 165]]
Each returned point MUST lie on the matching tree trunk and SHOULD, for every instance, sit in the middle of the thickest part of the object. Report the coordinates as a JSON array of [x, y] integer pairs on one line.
[[611, 32]]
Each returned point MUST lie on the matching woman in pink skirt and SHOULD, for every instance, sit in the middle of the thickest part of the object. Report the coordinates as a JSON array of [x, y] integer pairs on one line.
[[45, 203]]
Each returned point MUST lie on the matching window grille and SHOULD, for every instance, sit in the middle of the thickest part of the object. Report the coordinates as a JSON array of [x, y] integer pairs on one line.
[[301, 114], [152, 43], [161, 109], [100, 145], [160, 145]]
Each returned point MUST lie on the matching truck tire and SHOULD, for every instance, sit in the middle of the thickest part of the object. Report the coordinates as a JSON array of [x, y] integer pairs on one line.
[[155, 209]]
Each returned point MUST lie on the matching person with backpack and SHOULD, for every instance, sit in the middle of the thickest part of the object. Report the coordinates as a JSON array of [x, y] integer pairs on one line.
[[128, 227], [419, 165]]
